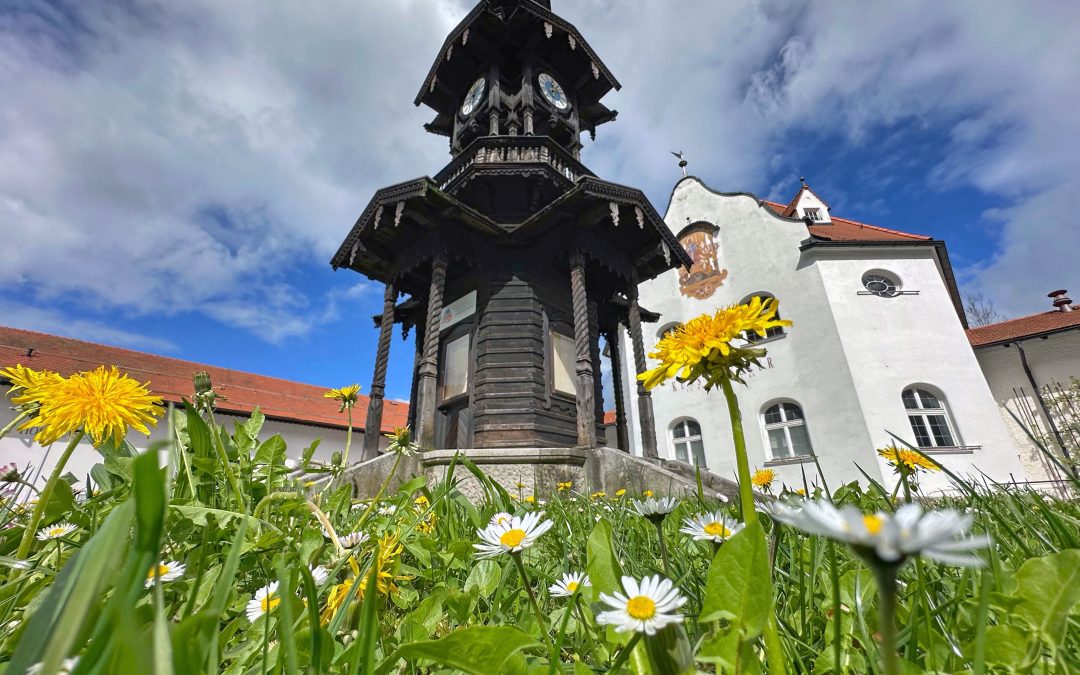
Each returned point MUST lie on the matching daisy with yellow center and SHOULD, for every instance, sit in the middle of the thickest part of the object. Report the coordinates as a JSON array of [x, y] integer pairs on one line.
[[55, 531], [265, 601], [890, 538], [569, 584], [703, 346], [763, 478], [103, 403], [164, 572], [514, 536], [347, 396], [907, 461], [710, 527], [645, 607], [500, 518]]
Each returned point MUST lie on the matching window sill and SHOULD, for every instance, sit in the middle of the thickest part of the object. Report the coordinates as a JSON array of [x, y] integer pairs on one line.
[[765, 341], [801, 459], [952, 450]]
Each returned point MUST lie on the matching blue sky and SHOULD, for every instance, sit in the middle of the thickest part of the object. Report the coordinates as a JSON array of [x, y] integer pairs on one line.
[[174, 177]]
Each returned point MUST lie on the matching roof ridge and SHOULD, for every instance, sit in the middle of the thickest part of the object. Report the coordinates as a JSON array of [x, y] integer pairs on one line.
[[859, 223]]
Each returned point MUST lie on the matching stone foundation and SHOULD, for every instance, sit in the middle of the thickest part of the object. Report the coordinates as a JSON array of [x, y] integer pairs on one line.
[[541, 470]]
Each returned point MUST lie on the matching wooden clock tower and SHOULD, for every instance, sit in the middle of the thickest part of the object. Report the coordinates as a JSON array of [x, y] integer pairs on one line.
[[515, 257]]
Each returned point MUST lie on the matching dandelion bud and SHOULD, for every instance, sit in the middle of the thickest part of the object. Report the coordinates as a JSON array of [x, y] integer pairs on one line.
[[202, 382]]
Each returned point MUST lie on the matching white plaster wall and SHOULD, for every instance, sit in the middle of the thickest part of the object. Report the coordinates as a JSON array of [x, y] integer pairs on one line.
[[894, 343], [1054, 359], [807, 365], [845, 360], [20, 448]]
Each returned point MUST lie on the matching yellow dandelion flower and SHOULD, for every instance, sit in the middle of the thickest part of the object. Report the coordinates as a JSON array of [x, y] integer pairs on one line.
[[647, 493], [620, 492], [24, 380], [103, 403], [346, 395], [702, 347], [562, 487], [529, 499], [904, 460], [599, 494], [763, 478]]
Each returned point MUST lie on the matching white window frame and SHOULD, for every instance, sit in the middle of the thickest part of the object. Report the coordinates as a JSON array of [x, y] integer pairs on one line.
[[785, 424], [885, 276], [687, 440], [925, 413], [814, 214]]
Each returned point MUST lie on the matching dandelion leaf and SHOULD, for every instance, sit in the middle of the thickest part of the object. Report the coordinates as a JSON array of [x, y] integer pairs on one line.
[[738, 587], [479, 650], [1006, 645], [603, 567], [1049, 587]]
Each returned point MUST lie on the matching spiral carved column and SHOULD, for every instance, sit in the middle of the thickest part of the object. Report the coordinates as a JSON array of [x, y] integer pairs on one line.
[[427, 390], [373, 425], [645, 407], [586, 394], [614, 340]]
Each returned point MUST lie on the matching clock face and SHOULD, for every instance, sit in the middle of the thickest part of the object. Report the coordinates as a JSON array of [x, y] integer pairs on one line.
[[553, 92], [474, 97]]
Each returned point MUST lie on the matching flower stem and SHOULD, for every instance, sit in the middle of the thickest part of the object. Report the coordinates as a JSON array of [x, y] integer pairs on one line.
[[663, 547], [625, 653], [532, 596], [348, 438], [11, 425], [886, 578], [223, 457], [46, 495], [746, 490]]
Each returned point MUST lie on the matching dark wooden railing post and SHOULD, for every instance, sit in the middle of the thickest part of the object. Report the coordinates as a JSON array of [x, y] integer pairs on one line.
[[645, 407], [428, 389], [373, 425], [586, 393], [614, 341]]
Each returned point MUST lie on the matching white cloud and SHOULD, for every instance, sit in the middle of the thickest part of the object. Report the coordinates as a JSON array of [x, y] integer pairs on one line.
[[160, 157], [55, 323]]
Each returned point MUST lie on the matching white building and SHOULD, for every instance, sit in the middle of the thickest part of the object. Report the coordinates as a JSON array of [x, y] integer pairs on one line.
[[296, 411], [877, 346], [1032, 364]]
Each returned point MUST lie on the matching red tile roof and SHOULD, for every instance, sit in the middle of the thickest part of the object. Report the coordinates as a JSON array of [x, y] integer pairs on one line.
[[1026, 326], [170, 379], [844, 229], [609, 417]]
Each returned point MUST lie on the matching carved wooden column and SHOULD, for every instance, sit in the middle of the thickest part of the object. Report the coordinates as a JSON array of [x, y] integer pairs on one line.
[[645, 407], [373, 425], [427, 391], [614, 341], [418, 353], [598, 382], [586, 400]]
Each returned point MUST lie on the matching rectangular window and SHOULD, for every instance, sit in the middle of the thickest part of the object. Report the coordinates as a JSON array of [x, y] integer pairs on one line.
[[564, 363], [918, 427], [698, 449], [680, 452], [800, 440], [940, 428], [456, 368], [813, 214]]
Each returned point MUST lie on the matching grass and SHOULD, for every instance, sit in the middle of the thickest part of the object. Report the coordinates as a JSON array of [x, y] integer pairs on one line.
[[229, 510]]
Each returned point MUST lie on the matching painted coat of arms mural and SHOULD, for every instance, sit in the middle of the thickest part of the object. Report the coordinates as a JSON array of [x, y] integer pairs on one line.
[[705, 276]]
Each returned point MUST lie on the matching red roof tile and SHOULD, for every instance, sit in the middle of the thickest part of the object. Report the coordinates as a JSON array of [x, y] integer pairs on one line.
[[170, 379], [609, 417], [844, 229], [1026, 326]]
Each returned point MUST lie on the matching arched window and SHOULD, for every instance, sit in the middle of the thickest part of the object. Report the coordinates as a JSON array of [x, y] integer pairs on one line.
[[785, 426], [770, 333], [686, 439], [929, 419]]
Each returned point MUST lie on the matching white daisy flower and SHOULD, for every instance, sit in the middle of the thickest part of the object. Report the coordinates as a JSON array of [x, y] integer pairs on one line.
[[655, 509], [387, 510], [66, 666], [724, 499], [518, 534], [943, 535], [569, 584], [165, 571], [291, 464], [319, 574], [644, 608], [353, 539], [265, 601], [56, 531], [710, 526], [500, 518]]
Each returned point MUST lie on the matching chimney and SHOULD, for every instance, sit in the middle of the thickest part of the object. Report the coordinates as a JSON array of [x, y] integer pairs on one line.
[[1060, 300]]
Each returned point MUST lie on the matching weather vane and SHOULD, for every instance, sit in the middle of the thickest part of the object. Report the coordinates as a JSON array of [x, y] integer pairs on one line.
[[682, 162]]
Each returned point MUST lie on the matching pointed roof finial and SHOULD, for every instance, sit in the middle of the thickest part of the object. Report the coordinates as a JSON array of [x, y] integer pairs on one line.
[[682, 162], [802, 179]]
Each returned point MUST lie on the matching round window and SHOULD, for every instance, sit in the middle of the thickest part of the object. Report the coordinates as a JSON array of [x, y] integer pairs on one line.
[[881, 285]]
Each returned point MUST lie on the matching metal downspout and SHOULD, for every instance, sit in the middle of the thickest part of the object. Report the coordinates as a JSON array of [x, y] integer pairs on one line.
[[1042, 402]]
